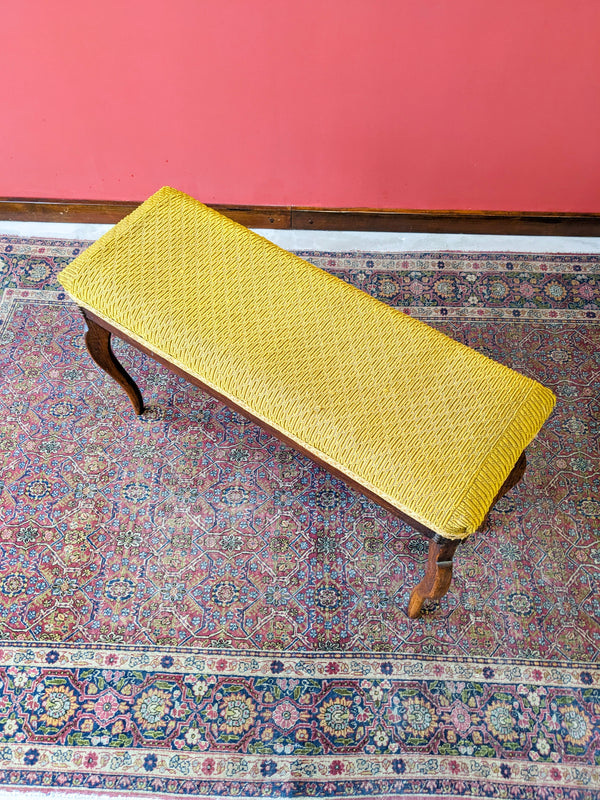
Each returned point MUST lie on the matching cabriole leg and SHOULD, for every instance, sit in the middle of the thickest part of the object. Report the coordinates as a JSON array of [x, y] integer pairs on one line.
[[97, 341], [438, 575]]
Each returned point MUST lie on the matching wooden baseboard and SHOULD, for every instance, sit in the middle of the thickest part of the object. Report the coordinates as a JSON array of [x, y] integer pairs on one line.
[[338, 219], [98, 211], [506, 223]]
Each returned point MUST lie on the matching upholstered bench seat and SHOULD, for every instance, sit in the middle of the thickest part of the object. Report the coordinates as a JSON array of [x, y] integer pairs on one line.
[[430, 427]]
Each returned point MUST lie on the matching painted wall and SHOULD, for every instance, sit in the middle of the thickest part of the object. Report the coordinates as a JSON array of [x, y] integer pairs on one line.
[[428, 104]]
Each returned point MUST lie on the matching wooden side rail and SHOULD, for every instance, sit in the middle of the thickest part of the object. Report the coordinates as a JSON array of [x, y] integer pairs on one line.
[[438, 573]]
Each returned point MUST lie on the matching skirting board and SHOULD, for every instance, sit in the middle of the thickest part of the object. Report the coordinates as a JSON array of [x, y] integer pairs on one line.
[[513, 223]]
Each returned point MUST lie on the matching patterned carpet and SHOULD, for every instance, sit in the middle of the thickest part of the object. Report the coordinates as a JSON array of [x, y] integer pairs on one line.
[[189, 608]]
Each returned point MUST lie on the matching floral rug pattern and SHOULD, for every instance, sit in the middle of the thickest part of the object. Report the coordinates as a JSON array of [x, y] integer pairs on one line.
[[188, 607], [182, 722]]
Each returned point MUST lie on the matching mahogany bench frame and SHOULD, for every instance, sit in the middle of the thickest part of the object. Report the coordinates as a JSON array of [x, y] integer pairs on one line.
[[438, 571]]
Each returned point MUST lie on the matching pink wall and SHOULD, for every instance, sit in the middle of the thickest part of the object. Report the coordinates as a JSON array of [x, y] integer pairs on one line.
[[430, 104]]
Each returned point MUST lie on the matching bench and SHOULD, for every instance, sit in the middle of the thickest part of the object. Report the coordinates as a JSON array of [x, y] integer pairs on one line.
[[430, 429]]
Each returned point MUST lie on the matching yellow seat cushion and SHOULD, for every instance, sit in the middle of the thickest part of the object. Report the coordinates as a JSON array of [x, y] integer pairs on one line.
[[428, 424]]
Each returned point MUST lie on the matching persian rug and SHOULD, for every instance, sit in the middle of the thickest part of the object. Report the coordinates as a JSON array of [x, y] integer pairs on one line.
[[190, 608]]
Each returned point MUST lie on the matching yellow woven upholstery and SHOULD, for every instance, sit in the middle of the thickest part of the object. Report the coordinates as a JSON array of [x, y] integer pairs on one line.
[[430, 425]]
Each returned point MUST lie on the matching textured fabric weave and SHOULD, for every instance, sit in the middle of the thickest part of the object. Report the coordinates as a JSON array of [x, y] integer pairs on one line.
[[429, 424]]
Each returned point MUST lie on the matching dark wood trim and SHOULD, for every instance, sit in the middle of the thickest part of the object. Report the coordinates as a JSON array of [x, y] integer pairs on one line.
[[98, 211], [258, 216], [81, 211], [106, 361], [488, 222], [332, 219], [98, 345], [438, 573]]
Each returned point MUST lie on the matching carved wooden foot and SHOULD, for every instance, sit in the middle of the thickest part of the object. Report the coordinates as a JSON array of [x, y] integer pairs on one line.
[[438, 575], [97, 340]]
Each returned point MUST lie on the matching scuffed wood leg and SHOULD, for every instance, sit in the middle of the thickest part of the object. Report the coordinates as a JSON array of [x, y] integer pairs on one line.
[[97, 340], [438, 572], [438, 575]]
